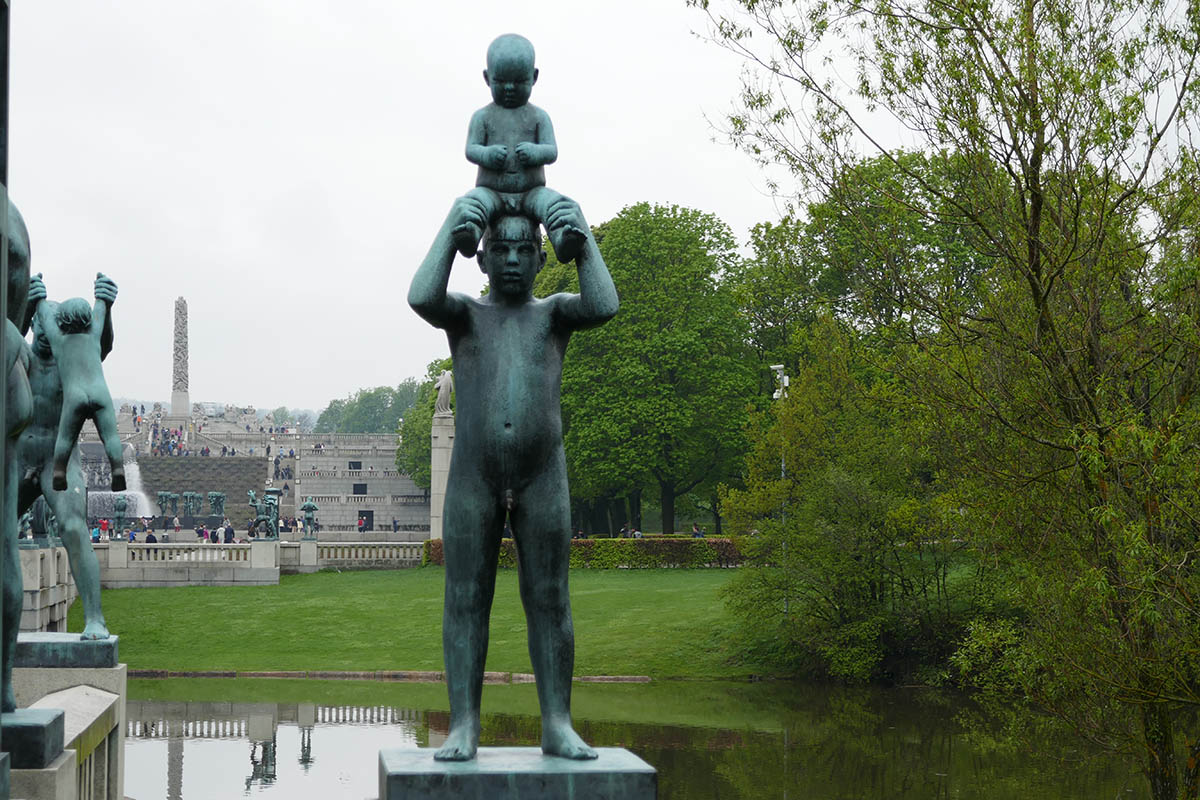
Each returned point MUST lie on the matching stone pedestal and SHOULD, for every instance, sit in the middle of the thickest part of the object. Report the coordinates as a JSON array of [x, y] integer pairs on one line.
[[82, 682], [264, 553], [181, 404], [308, 555], [442, 445], [508, 773]]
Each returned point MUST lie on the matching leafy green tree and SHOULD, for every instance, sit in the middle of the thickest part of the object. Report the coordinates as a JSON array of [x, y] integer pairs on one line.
[[330, 419], [1068, 379], [376, 410], [660, 394], [415, 449], [283, 416], [857, 570]]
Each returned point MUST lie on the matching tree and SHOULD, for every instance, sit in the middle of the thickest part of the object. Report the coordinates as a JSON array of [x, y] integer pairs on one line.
[[850, 564], [661, 392], [1069, 380], [376, 410], [415, 450], [282, 416]]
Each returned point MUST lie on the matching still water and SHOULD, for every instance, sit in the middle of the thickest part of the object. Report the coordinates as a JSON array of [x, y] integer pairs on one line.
[[201, 739]]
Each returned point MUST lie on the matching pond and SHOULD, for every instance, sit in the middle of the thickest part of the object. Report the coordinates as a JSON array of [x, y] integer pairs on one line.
[[215, 738]]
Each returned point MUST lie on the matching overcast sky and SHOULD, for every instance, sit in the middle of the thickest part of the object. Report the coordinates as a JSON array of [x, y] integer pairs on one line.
[[285, 164]]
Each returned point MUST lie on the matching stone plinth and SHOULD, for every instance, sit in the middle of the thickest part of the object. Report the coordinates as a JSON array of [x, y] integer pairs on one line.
[[84, 679], [508, 773], [442, 445], [57, 650]]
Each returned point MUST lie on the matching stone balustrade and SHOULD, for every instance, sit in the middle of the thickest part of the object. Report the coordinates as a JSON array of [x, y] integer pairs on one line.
[[125, 564]]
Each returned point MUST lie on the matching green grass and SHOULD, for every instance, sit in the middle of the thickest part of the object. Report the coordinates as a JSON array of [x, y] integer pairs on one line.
[[661, 623]]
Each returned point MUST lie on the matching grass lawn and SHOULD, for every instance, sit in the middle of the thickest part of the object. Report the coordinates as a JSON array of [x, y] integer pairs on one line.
[[662, 623]]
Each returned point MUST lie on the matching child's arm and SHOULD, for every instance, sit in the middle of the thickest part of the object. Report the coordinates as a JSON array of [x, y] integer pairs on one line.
[[544, 150], [597, 301], [427, 295], [478, 150], [106, 295]]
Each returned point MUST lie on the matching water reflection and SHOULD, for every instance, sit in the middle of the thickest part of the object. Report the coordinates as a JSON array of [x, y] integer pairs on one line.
[[708, 741]]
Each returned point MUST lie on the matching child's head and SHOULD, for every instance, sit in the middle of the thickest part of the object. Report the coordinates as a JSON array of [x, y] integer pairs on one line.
[[512, 254], [510, 72], [74, 315]]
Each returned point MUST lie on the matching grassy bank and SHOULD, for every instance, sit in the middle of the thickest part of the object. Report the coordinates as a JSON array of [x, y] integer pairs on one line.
[[661, 623]]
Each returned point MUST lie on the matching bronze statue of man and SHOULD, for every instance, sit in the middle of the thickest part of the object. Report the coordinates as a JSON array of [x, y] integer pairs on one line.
[[508, 460]]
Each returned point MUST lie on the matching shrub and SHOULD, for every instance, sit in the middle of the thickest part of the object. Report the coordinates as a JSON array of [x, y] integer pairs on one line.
[[684, 553]]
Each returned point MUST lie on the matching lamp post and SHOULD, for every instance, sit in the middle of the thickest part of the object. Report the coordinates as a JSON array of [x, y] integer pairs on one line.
[[781, 390]]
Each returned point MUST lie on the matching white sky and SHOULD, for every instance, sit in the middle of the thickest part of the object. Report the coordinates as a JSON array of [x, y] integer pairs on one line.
[[285, 164]]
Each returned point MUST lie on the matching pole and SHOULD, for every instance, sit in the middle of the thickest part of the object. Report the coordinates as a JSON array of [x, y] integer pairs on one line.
[[4, 521]]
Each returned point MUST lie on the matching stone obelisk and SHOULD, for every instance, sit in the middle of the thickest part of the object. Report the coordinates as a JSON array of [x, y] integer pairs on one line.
[[181, 405]]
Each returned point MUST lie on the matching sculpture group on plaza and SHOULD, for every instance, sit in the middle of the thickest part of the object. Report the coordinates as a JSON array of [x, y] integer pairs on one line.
[[508, 463], [53, 386], [266, 512]]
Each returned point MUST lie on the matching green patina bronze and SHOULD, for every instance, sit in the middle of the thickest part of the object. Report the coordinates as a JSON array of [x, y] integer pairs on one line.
[[309, 509], [511, 140], [164, 500], [216, 503], [78, 335], [68, 387], [18, 412], [508, 462], [120, 504]]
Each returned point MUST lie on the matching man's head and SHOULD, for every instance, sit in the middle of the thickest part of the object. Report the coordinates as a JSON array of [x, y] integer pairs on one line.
[[512, 255], [510, 72]]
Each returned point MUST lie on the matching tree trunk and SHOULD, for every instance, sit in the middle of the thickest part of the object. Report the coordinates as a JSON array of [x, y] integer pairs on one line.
[[618, 516], [716, 512], [1161, 768], [635, 508], [668, 506], [600, 517]]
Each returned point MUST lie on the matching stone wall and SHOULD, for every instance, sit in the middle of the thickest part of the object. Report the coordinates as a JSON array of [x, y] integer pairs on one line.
[[233, 476], [49, 589]]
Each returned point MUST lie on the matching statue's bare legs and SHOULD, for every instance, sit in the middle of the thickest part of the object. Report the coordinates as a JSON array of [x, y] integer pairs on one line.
[[70, 509], [541, 523], [12, 588], [474, 522]]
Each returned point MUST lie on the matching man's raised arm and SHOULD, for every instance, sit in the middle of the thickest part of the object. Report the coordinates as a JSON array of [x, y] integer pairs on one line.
[[106, 295], [427, 295], [597, 301]]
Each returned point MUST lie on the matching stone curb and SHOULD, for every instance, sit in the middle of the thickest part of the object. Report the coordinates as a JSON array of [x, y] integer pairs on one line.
[[393, 676]]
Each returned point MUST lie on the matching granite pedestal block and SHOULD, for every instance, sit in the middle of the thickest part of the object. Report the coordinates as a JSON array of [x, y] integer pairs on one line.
[[33, 737], [58, 650], [508, 773]]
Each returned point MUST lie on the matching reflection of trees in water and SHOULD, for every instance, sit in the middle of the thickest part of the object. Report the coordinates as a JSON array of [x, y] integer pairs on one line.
[[738, 742], [262, 763]]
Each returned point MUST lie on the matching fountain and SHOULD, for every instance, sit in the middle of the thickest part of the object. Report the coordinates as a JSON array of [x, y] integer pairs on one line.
[[101, 500]]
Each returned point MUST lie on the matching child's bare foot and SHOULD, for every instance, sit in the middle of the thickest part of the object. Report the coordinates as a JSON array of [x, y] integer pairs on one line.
[[96, 629], [460, 745], [118, 480], [568, 242], [560, 739], [59, 481], [466, 239]]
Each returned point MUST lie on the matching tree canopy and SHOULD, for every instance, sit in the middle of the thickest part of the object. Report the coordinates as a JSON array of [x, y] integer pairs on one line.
[[376, 410], [1052, 141]]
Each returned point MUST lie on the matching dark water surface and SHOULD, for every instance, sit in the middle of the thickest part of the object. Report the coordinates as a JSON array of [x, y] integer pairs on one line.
[[213, 738]]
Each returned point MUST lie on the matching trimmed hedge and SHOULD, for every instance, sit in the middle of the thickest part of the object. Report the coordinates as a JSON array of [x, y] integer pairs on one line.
[[629, 553]]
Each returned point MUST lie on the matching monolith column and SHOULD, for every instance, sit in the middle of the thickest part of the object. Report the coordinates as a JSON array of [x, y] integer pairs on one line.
[[181, 405]]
